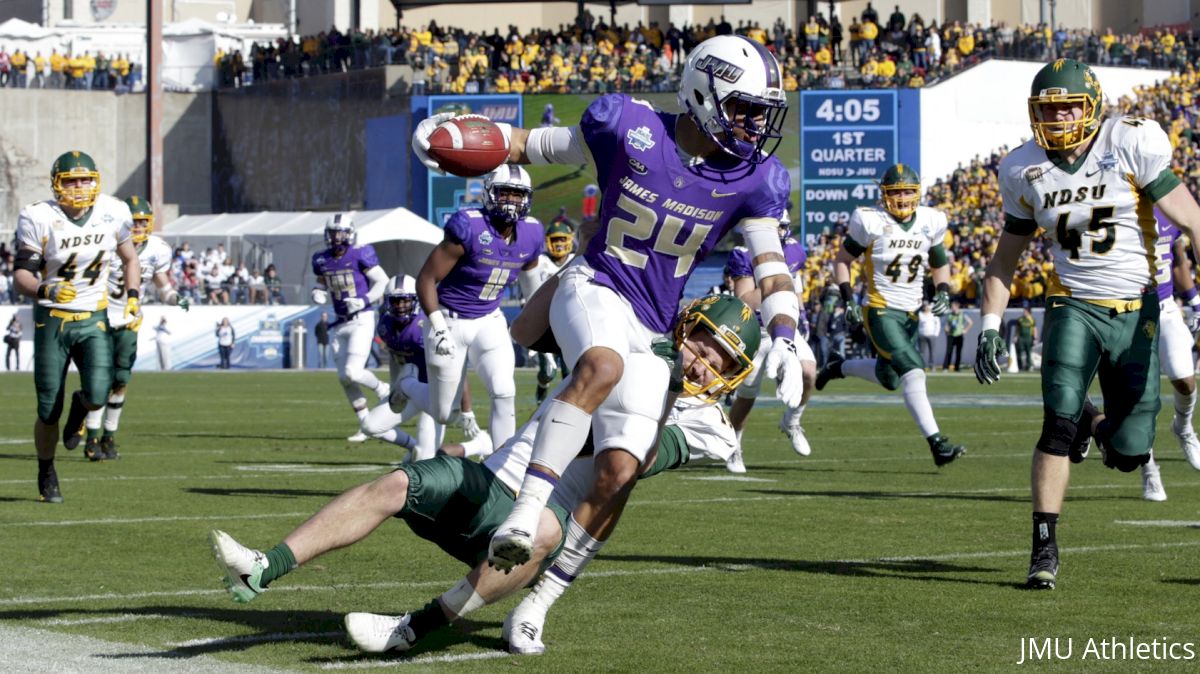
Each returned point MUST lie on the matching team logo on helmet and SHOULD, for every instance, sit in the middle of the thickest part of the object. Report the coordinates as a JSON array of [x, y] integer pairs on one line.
[[719, 68], [735, 329]]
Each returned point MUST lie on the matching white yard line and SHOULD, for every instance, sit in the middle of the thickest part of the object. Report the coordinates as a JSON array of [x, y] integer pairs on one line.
[[426, 660], [255, 639]]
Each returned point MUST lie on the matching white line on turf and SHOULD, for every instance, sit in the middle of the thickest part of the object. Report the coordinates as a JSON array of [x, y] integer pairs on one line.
[[1160, 523], [306, 468], [255, 638], [615, 573], [727, 478], [427, 660], [102, 620], [145, 520]]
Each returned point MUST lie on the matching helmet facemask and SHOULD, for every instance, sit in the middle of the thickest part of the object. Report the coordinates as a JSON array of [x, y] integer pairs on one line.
[[697, 326], [509, 203], [70, 192], [142, 226], [340, 239], [747, 127], [901, 199], [402, 305], [1065, 83], [560, 241]]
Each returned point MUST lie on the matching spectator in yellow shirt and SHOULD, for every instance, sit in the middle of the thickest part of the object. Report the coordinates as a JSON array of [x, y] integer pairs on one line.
[[886, 70]]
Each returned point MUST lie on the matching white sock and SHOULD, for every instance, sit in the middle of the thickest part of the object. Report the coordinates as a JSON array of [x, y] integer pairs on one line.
[[912, 383], [480, 445], [112, 414], [361, 414], [863, 368], [1184, 405], [1151, 466], [503, 421], [791, 416], [462, 598], [93, 419], [578, 550]]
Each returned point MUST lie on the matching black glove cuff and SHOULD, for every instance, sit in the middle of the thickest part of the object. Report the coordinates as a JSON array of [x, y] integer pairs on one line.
[[846, 291], [943, 288], [133, 293]]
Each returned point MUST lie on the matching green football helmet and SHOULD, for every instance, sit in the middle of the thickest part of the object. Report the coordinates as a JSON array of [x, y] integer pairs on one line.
[[560, 240], [901, 188], [736, 330], [143, 219], [69, 165], [1064, 82]]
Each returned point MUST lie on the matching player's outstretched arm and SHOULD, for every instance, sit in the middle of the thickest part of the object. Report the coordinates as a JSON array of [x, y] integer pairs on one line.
[[997, 282]]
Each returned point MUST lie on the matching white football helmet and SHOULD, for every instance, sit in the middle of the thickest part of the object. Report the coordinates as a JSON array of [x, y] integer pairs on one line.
[[732, 83], [511, 179], [339, 231], [400, 296]]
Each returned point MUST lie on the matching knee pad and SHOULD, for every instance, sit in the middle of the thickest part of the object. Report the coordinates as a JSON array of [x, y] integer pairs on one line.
[[1123, 463], [1057, 435]]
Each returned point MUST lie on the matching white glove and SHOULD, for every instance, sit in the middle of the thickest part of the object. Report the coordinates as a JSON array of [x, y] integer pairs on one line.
[[355, 304], [420, 139], [783, 365], [439, 335], [320, 295], [470, 426]]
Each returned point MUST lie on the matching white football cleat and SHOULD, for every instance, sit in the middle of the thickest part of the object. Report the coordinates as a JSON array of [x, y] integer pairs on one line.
[[1152, 486], [735, 463], [1188, 443], [242, 568], [358, 437], [374, 633], [524, 632], [509, 548], [796, 435]]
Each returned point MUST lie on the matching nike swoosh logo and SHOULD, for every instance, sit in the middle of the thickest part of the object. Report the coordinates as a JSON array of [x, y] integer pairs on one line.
[[246, 581], [1056, 305], [39, 325], [556, 421], [1089, 175], [718, 195]]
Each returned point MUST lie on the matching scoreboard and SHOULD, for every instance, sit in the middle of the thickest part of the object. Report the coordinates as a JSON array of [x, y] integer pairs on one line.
[[848, 139]]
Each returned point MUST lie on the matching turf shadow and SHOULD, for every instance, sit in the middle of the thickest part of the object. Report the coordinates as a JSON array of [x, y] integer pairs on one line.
[[277, 493], [912, 569]]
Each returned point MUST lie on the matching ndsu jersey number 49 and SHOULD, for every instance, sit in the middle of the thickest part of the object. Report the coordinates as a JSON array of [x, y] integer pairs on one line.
[[897, 257]]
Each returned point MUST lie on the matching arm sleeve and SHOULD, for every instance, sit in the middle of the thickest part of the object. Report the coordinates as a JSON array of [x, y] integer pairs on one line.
[[557, 145]]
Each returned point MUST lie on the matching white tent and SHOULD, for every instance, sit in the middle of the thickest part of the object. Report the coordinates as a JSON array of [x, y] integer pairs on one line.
[[288, 240], [28, 37]]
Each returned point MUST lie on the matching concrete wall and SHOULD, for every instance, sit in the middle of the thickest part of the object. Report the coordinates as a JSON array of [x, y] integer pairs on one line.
[[986, 107], [41, 124]]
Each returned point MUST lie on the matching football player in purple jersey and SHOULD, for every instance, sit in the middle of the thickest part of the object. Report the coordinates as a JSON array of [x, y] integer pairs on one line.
[[740, 268], [672, 186], [460, 286], [351, 277]]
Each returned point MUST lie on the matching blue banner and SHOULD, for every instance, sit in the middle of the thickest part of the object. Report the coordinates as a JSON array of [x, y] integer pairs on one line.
[[443, 195]]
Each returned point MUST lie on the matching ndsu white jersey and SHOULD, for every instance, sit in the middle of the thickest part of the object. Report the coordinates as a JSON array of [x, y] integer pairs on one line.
[[547, 268], [155, 257], [79, 253], [1100, 216], [897, 257]]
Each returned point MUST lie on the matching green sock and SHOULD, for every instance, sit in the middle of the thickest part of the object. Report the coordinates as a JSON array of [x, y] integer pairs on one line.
[[108, 435], [430, 618], [93, 433], [280, 560]]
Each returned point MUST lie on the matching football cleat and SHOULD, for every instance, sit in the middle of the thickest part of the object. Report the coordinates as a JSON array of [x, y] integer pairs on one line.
[[1043, 568], [943, 450], [48, 491], [92, 450], [242, 568], [109, 447], [832, 370], [510, 548], [1187, 442], [383, 391], [374, 633], [1152, 486], [358, 437], [524, 632], [795, 433], [73, 429], [736, 463]]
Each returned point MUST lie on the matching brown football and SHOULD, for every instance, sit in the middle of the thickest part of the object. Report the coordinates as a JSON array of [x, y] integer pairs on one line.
[[468, 146]]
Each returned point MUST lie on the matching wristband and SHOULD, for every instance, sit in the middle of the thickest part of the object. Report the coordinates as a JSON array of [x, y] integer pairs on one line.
[[991, 322], [943, 288], [1191, 296], [43, 291], [437, 321], [783, 331], [1194, 301], [133, 293], [846, 291]]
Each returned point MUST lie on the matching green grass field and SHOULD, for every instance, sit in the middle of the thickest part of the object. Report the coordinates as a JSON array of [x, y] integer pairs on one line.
[[861, 557]]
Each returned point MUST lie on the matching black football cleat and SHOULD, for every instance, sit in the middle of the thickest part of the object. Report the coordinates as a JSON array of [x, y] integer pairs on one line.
[[1043, 568], [92, 450], [832, 370], [943, 450], [109, 447], [48, 491]]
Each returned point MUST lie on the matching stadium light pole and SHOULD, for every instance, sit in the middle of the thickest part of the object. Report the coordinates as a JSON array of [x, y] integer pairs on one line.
[[154, 146]]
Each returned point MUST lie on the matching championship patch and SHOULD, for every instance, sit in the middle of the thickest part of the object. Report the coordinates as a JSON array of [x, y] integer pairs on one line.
[[640, 138], [1108, 162], [1034, 174], [485, 238]]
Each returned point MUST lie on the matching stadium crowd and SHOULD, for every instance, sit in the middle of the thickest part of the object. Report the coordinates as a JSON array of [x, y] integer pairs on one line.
[[86, 71], [593, 57]]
